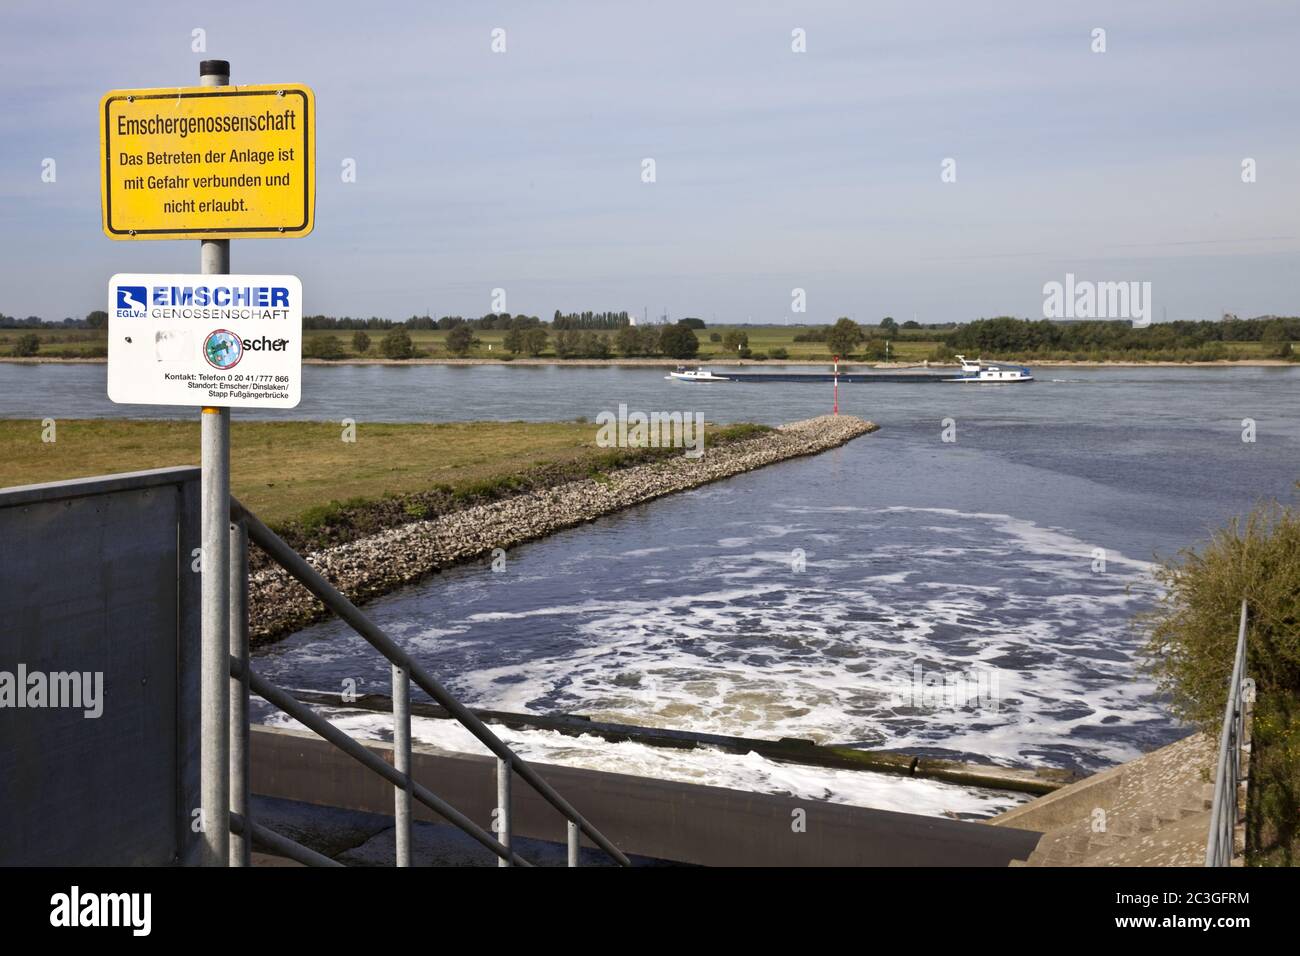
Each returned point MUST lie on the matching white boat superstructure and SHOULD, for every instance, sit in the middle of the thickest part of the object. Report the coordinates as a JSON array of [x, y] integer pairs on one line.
[[980, 372], [684, 374]]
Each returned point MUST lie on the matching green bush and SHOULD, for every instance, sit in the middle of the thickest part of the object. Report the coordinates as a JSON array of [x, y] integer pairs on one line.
[[1193, 631], [844, 336], [397, 345], [460, 340], [735, 340], [779, 353], [318, 516], [874, 349], [490, 488], [323, 347], [27, 345], [535, 341], [568, 344], [679, 342], [1191, 642]]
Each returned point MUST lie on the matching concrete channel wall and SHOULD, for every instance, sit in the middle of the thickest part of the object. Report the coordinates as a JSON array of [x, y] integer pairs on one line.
[[96, 585], [662, 819]]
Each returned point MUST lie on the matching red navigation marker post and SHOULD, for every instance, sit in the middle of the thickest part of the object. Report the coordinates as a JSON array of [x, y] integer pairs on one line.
[[836, 409]]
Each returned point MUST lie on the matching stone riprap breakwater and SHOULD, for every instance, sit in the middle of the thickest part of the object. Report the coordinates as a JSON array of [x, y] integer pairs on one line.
[[382, 562]]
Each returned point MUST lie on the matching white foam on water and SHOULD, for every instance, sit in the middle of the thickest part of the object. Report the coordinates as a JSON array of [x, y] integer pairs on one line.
[[737, 642], [706, 767]]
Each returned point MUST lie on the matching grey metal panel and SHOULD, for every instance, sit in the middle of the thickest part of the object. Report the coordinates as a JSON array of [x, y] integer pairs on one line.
[[664, 819], [88, 583], [97, 485]]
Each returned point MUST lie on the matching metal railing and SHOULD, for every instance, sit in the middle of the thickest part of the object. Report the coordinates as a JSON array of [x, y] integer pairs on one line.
[[1220, 848], [245, 526]]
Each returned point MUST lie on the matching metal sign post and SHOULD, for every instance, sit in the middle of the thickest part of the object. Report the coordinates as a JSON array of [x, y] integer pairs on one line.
[[214, 775], [212, 162]]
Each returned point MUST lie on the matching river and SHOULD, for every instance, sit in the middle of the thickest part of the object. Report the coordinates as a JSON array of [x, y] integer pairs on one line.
[[822, 597]]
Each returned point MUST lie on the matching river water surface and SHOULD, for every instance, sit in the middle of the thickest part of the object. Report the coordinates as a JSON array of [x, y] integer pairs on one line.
[[814, 597]]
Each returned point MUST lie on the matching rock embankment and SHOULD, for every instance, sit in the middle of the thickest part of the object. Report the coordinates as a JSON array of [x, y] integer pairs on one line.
[[382, 562]]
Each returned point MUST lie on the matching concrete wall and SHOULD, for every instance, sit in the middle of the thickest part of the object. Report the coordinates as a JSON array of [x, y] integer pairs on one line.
[[95, 577], [663, 819]]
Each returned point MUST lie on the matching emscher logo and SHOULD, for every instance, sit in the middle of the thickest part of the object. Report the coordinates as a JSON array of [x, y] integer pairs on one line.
[[131, 301], [223, 349]]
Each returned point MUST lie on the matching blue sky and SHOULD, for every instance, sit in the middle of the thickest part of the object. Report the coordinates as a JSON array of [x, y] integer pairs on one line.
[[775, 170]]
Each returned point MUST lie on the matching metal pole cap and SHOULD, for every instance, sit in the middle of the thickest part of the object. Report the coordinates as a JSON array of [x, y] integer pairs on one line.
[[214, 68]]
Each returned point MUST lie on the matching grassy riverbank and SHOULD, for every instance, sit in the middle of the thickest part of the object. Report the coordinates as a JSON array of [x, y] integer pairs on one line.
[[304, 474], [371, 548]]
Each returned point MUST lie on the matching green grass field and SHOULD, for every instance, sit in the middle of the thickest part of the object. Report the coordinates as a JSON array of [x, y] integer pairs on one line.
[[62, 343], [283, 470]]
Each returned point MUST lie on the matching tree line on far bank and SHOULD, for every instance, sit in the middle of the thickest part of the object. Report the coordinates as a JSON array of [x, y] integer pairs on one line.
[[1010, 336], [1003, 337], [604, 335], [525, 336]]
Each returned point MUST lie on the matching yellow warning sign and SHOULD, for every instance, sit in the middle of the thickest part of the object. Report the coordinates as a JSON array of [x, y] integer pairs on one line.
[[208, 162]]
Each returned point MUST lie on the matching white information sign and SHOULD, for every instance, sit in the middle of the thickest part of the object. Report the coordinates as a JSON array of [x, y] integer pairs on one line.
[[217, 340]]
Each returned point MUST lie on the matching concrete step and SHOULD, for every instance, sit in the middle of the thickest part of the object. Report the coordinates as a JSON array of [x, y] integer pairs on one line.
[[1061, 848], [1102, 841], [1145, 821], [1156, 812], [1056, 858]]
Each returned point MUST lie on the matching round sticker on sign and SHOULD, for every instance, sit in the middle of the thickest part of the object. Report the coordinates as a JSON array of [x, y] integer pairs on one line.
[[223, 349]]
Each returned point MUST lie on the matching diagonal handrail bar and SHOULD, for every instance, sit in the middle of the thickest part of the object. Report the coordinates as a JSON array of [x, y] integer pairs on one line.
[[278, 843], [300, 712], [336, 601]]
